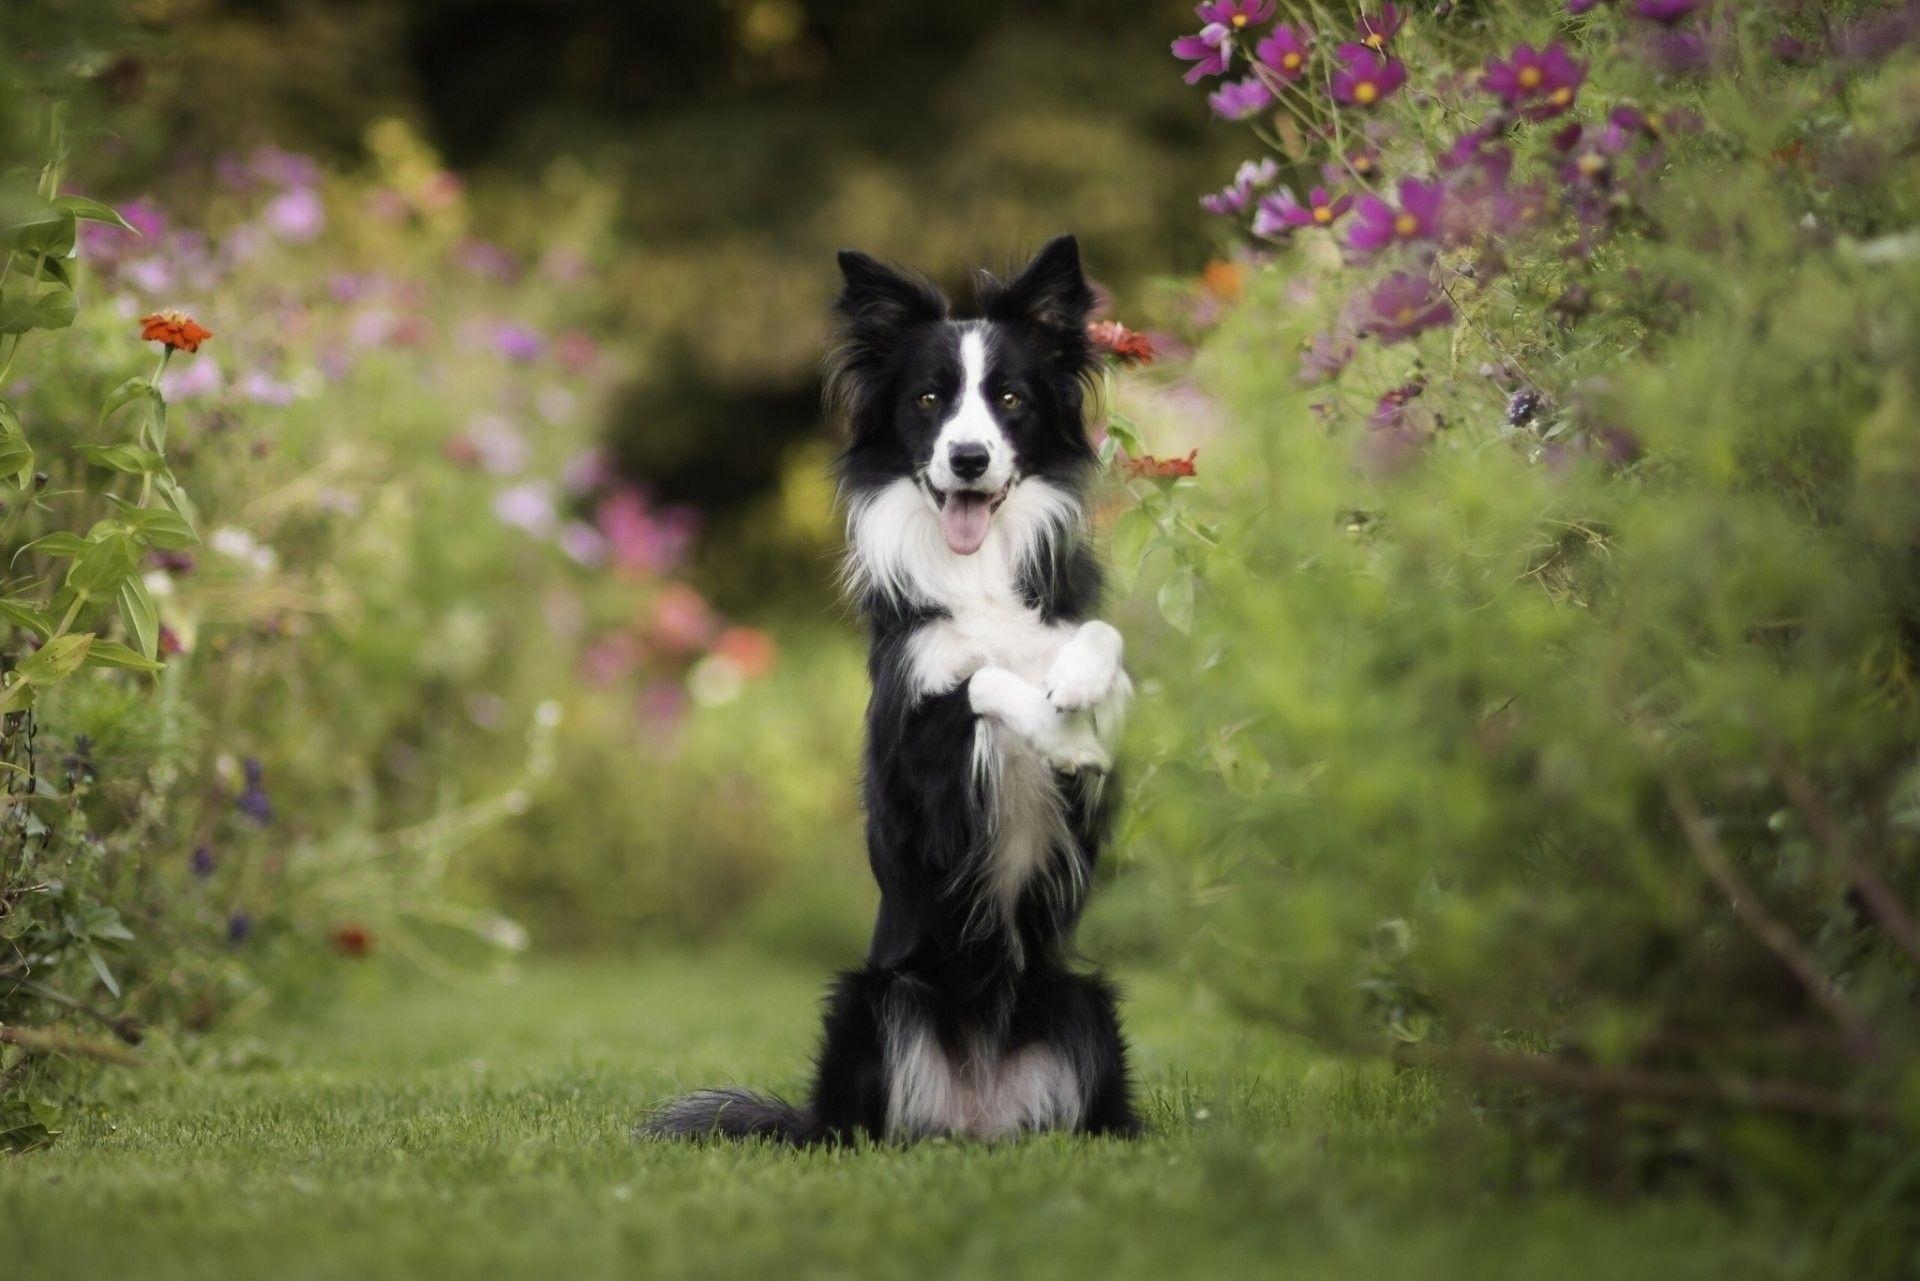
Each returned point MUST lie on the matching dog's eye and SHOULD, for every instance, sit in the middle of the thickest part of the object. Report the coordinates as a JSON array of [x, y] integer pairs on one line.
[[926, 400], [1010, 399]]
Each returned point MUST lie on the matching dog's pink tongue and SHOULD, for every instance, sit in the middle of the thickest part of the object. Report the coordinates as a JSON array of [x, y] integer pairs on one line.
[[963, 519]]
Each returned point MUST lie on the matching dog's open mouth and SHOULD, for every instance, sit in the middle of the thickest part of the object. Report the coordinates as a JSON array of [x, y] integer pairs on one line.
[[965, 515]]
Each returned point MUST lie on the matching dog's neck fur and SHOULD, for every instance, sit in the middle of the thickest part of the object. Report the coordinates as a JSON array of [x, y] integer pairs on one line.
[[898, 564]]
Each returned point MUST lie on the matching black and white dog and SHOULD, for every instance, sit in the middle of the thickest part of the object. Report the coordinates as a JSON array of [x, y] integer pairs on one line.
[[996, 704]]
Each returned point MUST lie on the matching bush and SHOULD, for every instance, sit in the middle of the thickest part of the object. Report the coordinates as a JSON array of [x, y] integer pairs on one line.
[[1551, 593]]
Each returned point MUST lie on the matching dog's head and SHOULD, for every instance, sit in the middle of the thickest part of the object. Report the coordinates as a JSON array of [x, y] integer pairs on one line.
[[968, 408]]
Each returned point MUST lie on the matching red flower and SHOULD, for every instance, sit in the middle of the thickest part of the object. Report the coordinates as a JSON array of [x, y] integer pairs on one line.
[[1147, 467], [176, 329], [351, 940], [1125, 345]]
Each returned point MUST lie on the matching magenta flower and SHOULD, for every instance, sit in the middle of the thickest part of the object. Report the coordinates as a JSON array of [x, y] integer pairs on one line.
[[518, 342], [1322, 357], [1578, 7], [1210, 52], [1282, 212], [1233, 199], [1285, 50], [1235, 14], [1404, 305], [1239, 99], [1378, 225], [1366, 78], [1540, 84], [1377, 28], [1665, 11]]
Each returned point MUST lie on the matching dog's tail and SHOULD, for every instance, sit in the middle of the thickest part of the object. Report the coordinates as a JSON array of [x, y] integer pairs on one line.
[[730, 1114]]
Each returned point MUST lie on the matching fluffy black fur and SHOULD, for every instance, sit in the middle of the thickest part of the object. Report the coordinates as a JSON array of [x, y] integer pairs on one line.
[[983, 984]]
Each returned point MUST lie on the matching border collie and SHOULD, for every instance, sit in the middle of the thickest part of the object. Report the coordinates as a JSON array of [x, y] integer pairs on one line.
[[996, 703]]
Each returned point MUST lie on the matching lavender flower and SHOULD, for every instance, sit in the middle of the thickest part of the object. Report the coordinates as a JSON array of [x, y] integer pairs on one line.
[[202, 862], [1403, 306], [1238, 194], [1322, 358], [1366, 78], [296, 216], [1282, 211], [1664, 11], [239, 927], [253, 801], [1376, 29], [1236, 14], [527, 507], [517, 341]]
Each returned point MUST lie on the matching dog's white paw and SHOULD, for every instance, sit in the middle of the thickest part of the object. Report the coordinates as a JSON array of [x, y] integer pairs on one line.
[[1086, 669], [1074, 748]]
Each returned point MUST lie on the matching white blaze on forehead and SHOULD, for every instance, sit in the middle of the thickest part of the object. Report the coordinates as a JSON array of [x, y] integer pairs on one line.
[[972, 422]]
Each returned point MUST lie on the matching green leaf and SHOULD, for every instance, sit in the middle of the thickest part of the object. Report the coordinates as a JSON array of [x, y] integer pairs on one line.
[[1121, 428], [103, 566], [56, 660], [60, 543], [28, 304], [142, 618], [174, 496], [46, 229], [114, 654], [26, 614], [99, 964], [125, 394], [160, 527], [92, 211], [126, 458], [1176, 599], [16, 455]]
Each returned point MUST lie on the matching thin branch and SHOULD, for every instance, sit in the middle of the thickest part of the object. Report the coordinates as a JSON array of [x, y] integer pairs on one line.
[[1879, 896], [1655, 1087], [1762, 924], [45, 1041]]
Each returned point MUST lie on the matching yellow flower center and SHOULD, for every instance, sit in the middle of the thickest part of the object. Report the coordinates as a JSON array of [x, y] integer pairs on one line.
[[1591, 164], [1404, 316], [1239, 19], [1529, 77], [1375, 41], [1291, 62], [1363, 164], [1406, 225], [1365, 92], [1322, 214], [1561, 97]]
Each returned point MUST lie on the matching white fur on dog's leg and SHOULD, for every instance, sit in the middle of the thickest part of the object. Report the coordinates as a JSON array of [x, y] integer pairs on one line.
[[1086, 669], [1068, 742]]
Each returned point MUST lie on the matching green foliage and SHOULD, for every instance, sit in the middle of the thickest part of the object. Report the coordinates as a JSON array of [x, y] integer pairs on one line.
[[1576, 750]]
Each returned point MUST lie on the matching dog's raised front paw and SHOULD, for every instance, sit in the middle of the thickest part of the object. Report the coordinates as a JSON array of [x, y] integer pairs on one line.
[[1085, 670], [1073, 747]]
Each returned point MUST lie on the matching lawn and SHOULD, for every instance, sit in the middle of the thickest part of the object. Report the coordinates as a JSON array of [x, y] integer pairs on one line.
[[425, 1130]]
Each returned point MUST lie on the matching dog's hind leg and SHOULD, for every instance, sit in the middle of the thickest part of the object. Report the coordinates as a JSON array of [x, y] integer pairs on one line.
[[850, 1085], [1076, 1017]]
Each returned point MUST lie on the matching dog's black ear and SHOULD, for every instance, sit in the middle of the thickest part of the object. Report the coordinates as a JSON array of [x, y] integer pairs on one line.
[[877, 301], [1052, 295]]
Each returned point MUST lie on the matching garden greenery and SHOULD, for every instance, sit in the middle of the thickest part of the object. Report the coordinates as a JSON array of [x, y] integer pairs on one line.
[[1552, 580]]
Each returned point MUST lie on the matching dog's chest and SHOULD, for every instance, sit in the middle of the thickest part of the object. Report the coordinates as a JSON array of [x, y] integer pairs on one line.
[[984, 631]]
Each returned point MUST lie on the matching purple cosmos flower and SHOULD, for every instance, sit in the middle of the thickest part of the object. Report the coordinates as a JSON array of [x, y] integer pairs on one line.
[[1363, 163], [1665, 11], [1239, 99], [264, 389], [518, 342], [1541, 83], [1322, 358], [253, 800], [1366, 78], [1378, 225], [527, 507], [1680, 52], [1282, 211], [1404, 305], [239, 928], [1377, 28], [296, 215], [1238, 194], [1210, 52], [1234, 14], [202, 862], [1871, 38], [1577, 7], [1391, 411], [1285, 50]]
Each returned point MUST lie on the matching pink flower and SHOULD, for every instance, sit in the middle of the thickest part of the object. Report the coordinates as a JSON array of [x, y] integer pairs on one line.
[[1376, 29], [1235, 14], [1237, 194], [1540, 84], [1210, 52], [1282, 211], [1285, 50], [1378, 225], [1240, 99], [1404, 305]]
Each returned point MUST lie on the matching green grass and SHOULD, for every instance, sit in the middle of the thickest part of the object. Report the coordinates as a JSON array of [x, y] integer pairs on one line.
[[418, 1130]]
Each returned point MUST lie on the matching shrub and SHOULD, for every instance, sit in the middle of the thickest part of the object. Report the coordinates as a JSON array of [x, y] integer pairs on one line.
[[1551, 590]]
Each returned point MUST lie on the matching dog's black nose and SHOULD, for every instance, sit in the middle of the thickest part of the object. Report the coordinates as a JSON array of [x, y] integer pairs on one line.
[[969, 461]]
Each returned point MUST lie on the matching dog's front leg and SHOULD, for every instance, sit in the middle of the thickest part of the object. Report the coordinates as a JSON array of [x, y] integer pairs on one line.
[[1067, 741], [1086, 676]]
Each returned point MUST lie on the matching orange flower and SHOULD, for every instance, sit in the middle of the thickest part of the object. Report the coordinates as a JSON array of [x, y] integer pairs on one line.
[[1147, 467], [351, 940], [749, 649], [1129, 347], [176, 329], [1224, 280]]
